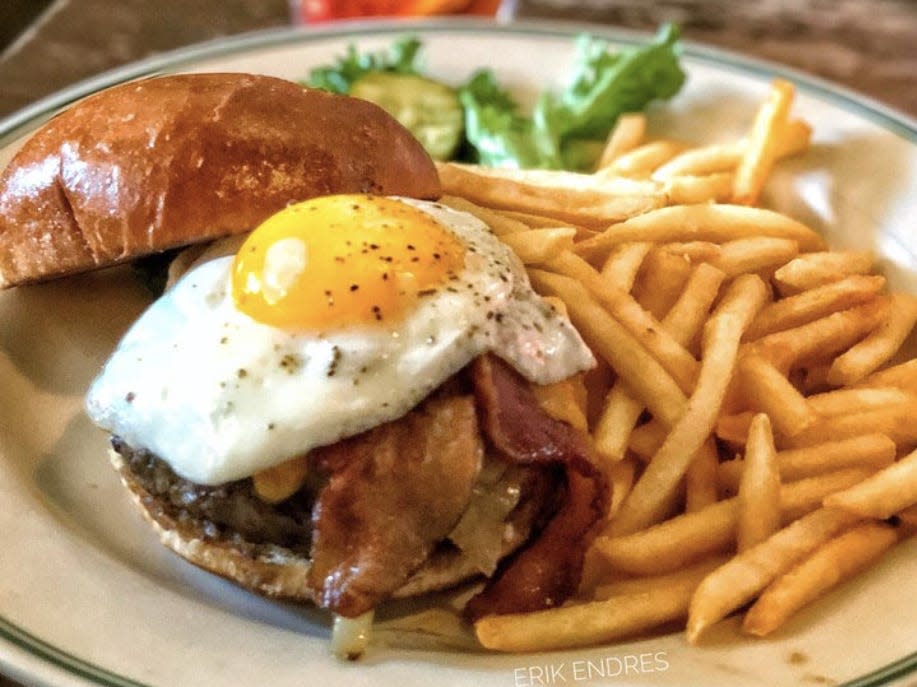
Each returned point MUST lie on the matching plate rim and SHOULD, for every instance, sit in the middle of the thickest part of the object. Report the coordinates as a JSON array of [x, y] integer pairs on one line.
[[42, 655]]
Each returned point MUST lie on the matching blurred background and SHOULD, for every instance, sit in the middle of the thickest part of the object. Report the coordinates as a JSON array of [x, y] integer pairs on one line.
[[868, 45]]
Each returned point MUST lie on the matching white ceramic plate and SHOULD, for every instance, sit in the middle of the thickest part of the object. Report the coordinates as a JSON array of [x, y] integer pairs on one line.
[[87, 595]]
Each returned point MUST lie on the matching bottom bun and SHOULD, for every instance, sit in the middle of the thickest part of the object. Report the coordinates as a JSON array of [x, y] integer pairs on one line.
[[281, 572], [268, 569]]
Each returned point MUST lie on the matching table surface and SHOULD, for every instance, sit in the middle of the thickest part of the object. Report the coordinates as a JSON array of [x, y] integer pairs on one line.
[[866, 45]]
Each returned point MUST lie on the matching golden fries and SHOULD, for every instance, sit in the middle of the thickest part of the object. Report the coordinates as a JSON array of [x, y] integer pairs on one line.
[[817, 269], [589, 206], [626, 135], [686, 538], [709, 222], [890, 490], [759, 487], [642, 160], [739, 580], [584, 624], [869, 450], [623, 263], [740, 411], [761, 150], [640, 585], [769, 391], [879, 346], [538, 246], [822, 338], [830, 565], [813, 304], [720, 350]]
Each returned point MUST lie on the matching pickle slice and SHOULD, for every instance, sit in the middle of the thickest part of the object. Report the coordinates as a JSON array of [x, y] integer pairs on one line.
[[428, 109]]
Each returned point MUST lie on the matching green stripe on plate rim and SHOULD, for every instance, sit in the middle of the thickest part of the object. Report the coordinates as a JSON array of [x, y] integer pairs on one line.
[[31, 116], [61, 659]]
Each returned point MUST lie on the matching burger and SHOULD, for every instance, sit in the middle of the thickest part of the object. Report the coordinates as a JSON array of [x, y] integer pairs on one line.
[[333, 399]]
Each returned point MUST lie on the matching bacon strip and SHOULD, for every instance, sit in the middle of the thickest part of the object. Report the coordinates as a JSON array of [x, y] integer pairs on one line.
[[392, 494], [548, 570]]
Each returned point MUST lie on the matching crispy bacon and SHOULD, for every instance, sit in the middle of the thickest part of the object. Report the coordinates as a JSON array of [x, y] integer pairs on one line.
[[392, 494], [547, 571]]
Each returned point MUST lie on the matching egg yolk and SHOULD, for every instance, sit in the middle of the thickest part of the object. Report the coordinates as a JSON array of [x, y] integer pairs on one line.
[[338, 261]]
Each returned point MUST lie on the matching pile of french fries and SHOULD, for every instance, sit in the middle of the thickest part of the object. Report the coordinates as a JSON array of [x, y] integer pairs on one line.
[[752, 410]]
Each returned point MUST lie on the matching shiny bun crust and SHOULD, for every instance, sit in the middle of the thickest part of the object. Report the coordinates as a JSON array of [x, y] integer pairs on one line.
[[167, 161]]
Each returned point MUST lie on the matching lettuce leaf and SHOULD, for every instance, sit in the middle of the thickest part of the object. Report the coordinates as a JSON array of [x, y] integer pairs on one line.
[[603, 85], [401, 58]]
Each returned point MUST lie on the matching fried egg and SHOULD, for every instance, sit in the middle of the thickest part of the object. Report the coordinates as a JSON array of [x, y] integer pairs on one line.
[[336, 315]]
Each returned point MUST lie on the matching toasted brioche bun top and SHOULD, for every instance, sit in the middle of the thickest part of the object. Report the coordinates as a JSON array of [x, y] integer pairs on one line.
[[168, 161]]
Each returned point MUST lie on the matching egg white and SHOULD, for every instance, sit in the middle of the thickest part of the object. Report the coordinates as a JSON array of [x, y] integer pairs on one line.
[[220, 396]]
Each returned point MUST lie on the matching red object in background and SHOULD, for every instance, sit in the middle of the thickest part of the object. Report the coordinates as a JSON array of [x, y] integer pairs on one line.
[[312, 11]]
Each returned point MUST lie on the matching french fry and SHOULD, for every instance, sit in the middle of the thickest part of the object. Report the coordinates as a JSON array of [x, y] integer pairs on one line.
[[694, 251], [822, 338], [857, 400], [802, 496], [815, 378], [585, 623], [896, 422], [589, 207], [647, 439], [685, 318], [693, 573], [641, 161], [815, 303], [700, 479], [622, 265], [711, 159], [877, 348], [550, 181], [720, 350], [742, 578], [734, 428], [564, 400], [499, 223], [834, 562], [619, 416], [627, 134], [673, 543], [686, 538], [686, 190], [770, 392], [888, 491], [538, 246], [723, 157], [620, 480], [718, 223], [761, 150], [869, 450], [812, 270], [661, 279], [532, 221], [759, 487], [903, 376], [655, 386], [754, 254]]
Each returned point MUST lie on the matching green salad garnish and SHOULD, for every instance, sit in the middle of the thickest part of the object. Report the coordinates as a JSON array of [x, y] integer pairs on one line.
[[566, 128]]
